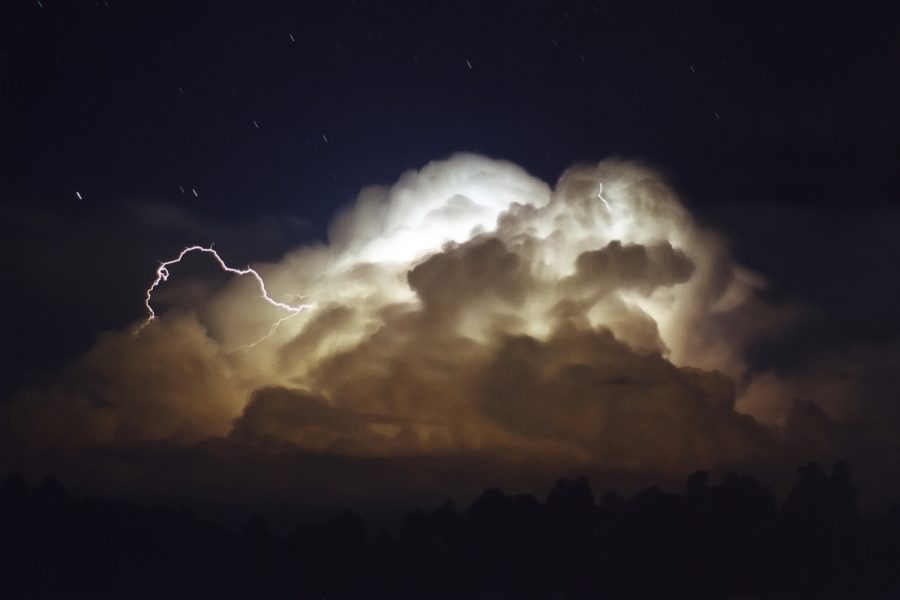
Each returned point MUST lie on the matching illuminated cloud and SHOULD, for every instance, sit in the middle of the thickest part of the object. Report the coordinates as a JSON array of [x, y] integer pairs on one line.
[[468, 310]]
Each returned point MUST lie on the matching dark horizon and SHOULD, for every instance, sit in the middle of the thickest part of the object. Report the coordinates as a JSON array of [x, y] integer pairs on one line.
[[714, 539]]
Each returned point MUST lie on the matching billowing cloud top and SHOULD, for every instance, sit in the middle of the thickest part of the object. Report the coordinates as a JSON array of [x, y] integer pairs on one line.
[[467, 310]]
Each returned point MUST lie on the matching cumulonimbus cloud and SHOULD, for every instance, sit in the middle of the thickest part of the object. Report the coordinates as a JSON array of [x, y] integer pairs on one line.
[[468, 308]]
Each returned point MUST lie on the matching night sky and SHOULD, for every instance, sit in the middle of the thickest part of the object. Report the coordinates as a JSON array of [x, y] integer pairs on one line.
[[130, 130]]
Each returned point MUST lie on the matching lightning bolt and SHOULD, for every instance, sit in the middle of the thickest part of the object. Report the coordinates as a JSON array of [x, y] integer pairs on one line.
[[600, 195], [162, 275]]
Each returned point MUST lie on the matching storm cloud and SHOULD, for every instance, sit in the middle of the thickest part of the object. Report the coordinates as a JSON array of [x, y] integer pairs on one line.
[[469, 316]]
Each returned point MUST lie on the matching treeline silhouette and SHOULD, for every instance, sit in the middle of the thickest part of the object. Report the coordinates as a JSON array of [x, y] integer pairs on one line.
[[723, 540]]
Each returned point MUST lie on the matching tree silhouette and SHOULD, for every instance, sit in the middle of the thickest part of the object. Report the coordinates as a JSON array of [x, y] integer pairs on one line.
[[716, 540]]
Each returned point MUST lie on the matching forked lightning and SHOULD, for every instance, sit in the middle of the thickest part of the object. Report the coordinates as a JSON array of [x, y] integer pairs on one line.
[[162, 274]]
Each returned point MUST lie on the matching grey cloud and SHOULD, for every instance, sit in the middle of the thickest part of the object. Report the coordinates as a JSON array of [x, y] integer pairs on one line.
[[634, 266]]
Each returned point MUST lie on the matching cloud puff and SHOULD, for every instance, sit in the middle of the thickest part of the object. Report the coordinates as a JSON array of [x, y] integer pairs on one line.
[[123, 391]]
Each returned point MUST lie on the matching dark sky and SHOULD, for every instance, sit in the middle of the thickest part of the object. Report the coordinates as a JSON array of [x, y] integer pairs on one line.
[[131, 129]]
